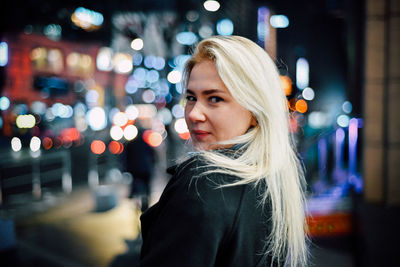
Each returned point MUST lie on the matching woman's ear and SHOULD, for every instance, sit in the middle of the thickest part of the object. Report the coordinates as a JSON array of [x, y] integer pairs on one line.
[[253, 121]]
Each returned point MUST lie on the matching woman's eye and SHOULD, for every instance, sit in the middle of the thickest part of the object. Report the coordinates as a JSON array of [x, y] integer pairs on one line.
[[216, 99], [190, 98]]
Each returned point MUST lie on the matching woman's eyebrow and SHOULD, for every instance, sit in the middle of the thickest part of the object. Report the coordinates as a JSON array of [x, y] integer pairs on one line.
[[207, 92]]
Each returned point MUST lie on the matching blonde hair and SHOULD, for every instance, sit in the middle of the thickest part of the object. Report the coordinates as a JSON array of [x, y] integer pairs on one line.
[[266, 150]]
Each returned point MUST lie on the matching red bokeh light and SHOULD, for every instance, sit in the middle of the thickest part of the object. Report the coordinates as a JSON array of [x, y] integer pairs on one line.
[[115, 147], [98, 147]]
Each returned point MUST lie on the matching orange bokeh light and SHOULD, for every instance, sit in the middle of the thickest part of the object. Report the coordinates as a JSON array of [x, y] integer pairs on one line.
[[115, 147], [98, 147], [153, 139], [185, 135], [301, 106], [47, 143], [286, 83]]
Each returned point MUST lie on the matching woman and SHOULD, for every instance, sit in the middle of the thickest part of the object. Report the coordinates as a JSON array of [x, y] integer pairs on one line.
[[238, 200]]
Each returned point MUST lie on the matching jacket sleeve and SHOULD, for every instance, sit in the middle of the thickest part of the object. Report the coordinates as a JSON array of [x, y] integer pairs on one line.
[[192, 220]]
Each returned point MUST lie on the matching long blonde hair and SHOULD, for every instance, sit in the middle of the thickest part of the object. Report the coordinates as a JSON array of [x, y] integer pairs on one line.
[[267, 150]]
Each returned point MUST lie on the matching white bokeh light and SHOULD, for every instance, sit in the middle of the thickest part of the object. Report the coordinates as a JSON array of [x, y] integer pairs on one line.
[[116, 133], [96, 118], [130, 132]]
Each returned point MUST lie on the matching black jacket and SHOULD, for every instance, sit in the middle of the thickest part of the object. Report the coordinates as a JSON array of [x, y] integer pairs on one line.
[[197, 224]]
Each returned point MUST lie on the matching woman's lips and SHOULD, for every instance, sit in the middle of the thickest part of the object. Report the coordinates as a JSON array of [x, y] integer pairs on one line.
[[200, 134]]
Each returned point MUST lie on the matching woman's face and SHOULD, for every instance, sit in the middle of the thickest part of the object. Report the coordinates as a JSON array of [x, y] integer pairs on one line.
[[211, 113]]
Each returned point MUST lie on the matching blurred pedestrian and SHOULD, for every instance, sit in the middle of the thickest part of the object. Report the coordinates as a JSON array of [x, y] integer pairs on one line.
[[238, 199], [140, 160]]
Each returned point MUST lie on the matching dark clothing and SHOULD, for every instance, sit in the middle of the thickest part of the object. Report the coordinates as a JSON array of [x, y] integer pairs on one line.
[[197, 224]]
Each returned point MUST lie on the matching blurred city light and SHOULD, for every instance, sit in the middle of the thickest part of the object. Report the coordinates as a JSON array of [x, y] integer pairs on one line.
[[38, 107], [186, 38], [159, 63], [318, 119], [16, 144], [174, 76], [130, 132], [137, 44], [122, 63], [116, 132], [152, 138], [120, 119], [225, 27], [35, 144], [137, 59], [178, 111], [97, 147], [148, 96], [131, 112], [148, 61], [212, 6], [115, 147], [104, 59], [131, 86], [343, 120], [205, 31], [47, 143], [53, 31], [3, 54], [347, 107], [286, 83], [4, 103], [96, 118], [179, 61], [87, 19], [165, 115], [302, 73], [301, 106], [25, 121], [192, 16], [279, 21], [152, 76], [140, 74], [180, 126], [308, 93], [262, 27]]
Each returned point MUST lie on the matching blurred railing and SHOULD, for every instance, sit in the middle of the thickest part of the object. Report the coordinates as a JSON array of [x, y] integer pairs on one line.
[[22, 172]]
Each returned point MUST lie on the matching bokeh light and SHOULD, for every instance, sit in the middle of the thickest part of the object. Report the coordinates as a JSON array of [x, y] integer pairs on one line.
[[25, 121], [225, 27], [279, 21], [16, 144], [308, 93], [347, 107], [47, 143], [130, 132], [211, 5], [137, 44], [174, 76], [96, 118], [35, 143], [116, 132], [97, 147], [302, 73], [104, 59], [301, 106], [286, 83], [115, 147], [180, 126], [343, 120], [152, 138], [4, 103], [120, 119]]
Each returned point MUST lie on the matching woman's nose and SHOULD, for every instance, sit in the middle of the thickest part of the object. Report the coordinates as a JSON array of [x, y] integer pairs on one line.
[[196, 113]]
